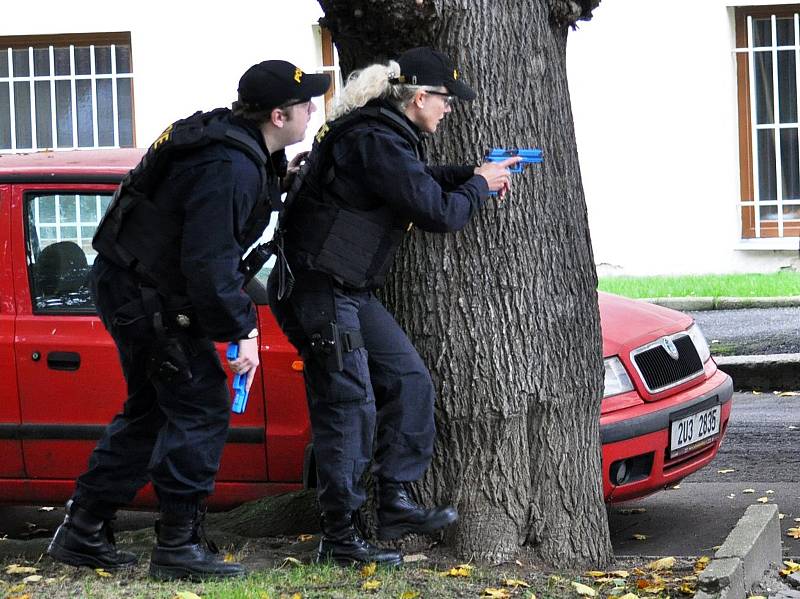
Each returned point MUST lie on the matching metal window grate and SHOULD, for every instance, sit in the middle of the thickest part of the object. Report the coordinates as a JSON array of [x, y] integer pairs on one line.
[[659, 371], [66, 97], [773, 63]]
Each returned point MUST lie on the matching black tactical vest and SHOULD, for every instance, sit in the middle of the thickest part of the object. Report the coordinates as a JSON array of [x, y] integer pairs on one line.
[[137, 234], [328, 227]]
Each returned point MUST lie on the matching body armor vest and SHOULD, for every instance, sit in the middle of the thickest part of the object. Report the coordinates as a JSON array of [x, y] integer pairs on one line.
[[137, 234], [330, 227]]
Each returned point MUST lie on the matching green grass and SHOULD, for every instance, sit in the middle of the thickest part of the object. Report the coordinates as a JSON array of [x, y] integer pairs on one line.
[[745, 285]]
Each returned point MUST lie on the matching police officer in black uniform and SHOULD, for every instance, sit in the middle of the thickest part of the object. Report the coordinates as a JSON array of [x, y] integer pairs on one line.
[[363, 185], [167, 283]]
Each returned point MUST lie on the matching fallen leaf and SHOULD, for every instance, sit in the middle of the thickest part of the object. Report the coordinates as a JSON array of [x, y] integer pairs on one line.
[[33, 578], [583, 590], [415, 557], [595, 573], [409, 595], [726, 471], [781, 516], [495, 593], [789, 394], [797, 519], [17, 569], [793, 532], [17, 588], [675, 487], [756, 597], [748, 491], [620, 573], [763, 500], [186, 595], [688, 589], [291, 560], [756, 392], [460, 571], [769, 492], [701, 564], [368, 570], [304, 538], [630, 596], [46, 509], [102, 573], [731, 496], [640, 537], [665, 563], [689, 579], [513, 582], [228, 558], [25, 596], [371, 585], [792, 427]]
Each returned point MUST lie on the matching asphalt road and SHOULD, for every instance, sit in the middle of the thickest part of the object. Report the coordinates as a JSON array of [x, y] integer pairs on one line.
[[751, 331], [762, 447]]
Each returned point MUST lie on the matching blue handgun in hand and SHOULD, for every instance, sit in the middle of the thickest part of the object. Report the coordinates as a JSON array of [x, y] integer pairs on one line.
[[529, 156], [239, 383]]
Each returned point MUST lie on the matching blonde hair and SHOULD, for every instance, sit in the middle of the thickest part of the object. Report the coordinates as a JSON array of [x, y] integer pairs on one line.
[[370, 83]]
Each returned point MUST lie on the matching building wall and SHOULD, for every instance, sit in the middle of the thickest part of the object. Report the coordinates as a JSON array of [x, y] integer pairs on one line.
[[187, 56], [653, 89]]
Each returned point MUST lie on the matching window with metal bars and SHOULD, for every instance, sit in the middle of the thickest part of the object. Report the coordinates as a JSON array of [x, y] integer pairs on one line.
[[768, 61], [65, 92]]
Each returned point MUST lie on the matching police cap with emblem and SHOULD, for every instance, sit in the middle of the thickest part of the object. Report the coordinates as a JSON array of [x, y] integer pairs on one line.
[[273, 83], [426, 66]]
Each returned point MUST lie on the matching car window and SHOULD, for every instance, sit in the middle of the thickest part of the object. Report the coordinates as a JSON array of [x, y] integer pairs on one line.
[[263, 274], [58, 239]]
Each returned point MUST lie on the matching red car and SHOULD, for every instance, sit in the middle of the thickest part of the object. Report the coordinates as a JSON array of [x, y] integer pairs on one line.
[[663, 417]]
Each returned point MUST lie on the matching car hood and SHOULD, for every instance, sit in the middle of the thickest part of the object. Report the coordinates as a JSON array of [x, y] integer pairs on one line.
[[628, 323]]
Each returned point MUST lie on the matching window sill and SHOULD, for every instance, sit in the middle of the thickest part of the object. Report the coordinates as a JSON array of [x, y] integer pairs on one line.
[[786, 244]]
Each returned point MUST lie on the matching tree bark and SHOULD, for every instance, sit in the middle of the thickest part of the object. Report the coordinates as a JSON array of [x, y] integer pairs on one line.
[[505, 312]]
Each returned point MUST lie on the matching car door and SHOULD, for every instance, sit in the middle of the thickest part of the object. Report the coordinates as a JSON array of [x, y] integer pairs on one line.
[[71, 384], [11, 466]]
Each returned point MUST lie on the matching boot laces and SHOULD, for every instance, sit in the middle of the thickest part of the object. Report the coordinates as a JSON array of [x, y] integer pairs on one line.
[[200, 531]]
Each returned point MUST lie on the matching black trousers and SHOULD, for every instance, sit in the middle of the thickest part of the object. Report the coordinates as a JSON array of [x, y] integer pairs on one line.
[[170, 433], [384, 388]]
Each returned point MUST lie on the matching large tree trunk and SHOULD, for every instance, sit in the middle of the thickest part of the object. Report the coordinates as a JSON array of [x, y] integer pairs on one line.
[[505, 312]]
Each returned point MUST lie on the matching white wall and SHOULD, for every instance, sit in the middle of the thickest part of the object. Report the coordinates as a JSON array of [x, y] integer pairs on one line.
[[653, 89], [187, 55]]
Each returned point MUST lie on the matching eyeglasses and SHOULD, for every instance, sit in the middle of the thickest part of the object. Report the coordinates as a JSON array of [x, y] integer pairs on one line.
[[447, 98], [291, 103]]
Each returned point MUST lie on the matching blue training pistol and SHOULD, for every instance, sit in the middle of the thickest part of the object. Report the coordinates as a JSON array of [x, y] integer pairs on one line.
[[239, 383], [529, 156]]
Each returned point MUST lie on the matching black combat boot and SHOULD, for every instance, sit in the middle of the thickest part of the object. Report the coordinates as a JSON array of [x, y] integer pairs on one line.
[[342, 543], [84, 539], [398, 515], [184, 551]]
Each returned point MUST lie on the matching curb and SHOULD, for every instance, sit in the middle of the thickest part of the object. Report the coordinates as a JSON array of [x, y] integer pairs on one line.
[[767, 372], [693, 304], [751, 548]]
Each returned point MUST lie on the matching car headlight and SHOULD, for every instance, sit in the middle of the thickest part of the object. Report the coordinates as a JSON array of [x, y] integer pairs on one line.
[[617, 380], [700, 343]]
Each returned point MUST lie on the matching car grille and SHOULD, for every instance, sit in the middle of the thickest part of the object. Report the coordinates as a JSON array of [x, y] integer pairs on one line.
[[659, 371]]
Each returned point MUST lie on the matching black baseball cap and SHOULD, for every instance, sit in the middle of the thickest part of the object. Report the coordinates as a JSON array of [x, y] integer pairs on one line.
[[272, 83], [426, 66]]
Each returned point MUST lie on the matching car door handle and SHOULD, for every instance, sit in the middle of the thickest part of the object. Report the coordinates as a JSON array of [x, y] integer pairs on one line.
[[63, 360]]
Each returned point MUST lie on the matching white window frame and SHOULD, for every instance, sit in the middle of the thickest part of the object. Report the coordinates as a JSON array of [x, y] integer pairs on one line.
[[73, 78], [751, 161]]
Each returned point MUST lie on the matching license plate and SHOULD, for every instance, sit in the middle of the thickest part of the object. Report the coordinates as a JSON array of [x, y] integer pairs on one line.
[[693, 431]]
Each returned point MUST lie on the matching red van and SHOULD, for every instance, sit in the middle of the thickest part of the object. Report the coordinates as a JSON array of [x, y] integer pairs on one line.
[[664, 414]]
